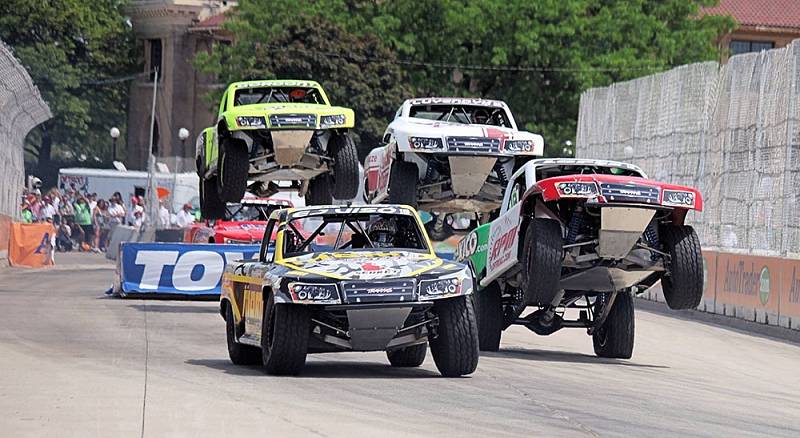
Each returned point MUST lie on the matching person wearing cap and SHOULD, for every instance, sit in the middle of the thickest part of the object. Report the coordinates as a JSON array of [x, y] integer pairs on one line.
[[185, 216], [27, 215]]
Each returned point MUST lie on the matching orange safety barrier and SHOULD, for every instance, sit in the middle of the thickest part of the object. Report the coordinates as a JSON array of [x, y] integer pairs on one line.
[[31, 245], [5, 231]]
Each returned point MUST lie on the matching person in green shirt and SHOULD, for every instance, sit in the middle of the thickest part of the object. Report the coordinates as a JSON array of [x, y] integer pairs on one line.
[[27, 215], [83, 217]]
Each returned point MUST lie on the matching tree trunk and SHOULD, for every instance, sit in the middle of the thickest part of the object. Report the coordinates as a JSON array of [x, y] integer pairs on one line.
[[45, 150]]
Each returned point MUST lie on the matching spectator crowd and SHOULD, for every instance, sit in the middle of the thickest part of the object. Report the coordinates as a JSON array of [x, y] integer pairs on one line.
[[84, 222]]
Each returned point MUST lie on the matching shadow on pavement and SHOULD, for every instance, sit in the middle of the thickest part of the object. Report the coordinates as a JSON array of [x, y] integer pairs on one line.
[[562, 356], [174, 308], [318, 369]]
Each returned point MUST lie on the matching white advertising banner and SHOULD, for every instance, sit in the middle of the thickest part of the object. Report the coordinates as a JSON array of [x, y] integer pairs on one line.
[[503, 243]]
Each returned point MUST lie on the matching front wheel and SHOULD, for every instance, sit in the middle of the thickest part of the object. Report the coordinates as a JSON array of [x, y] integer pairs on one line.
[[455, 346], [614, 339], [285, 330], [412, 356], [234, 165], [345, 174], [489, 309], [211, 206], [542, 255], [683, 286], [403, 179], [239, 354]]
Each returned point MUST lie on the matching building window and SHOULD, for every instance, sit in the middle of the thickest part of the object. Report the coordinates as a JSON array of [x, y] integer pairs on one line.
[[741, 46], [155, 58]]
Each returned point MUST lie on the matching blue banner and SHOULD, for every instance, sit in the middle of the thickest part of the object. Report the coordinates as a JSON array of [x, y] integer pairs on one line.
[[177, 268]]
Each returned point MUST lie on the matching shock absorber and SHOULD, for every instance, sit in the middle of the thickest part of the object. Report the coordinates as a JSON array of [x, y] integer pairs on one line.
[[501, 174], [575, 224]]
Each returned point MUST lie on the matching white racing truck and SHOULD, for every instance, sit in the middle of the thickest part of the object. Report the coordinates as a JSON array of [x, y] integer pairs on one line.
[[448, 155]]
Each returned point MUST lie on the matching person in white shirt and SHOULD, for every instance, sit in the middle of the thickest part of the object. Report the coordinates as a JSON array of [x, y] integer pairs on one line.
[[163, 215], [116, 212], [185, 216], [48, 211]]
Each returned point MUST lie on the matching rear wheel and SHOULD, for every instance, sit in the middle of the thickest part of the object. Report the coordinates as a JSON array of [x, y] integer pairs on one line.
[[319, 191], [455, 346], [211, 206], [683, 287], [285, 330], [489, 310], [542, 255], [403, 179], [239, 354], [614, 339], [344, 179], [412, 356], [233, 167]]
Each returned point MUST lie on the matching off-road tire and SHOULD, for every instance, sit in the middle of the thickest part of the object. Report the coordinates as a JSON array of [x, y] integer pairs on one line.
[[455, 346], [614, 339], [542, 255], [403, 179], [683, 286], [232, 168], [240, 354], [489, 310], [211, 207], [345, 177], [285, 330], [412, 356], [319, 191]]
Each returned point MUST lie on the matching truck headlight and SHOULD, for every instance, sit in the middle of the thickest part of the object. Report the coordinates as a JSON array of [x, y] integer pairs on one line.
[[577, 189], [314, 293], [678, 198], [517, 146], [459, 284], [425, 143], [334, 120], [251, 122]]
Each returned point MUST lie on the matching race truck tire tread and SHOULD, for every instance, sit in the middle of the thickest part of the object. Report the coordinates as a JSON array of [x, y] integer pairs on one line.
[[345, 168], [290, 340], [403, 179], [412, 356], [319, 191], [240, 354], [683, 288], [455, 348], [542, 258], [615, 338], [489, 310], [211, 207], [234, 165]]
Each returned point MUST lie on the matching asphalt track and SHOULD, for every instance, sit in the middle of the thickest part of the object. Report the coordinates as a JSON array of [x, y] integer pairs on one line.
[[74, 363]]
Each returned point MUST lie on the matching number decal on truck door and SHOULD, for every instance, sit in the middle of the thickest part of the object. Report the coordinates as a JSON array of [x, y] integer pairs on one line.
[[253, 309]]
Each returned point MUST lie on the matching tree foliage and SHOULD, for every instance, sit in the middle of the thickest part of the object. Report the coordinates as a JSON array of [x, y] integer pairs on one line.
[[67, 46]]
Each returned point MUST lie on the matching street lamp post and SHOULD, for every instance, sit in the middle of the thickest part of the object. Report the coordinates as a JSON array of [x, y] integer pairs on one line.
[[114, 132], [183, 134]]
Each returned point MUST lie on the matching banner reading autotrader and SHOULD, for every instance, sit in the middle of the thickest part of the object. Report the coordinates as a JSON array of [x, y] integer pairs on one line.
[[177, 268]]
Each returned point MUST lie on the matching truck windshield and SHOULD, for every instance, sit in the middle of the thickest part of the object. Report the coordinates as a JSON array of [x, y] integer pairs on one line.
[[466, 114], [544, 172], [352, 232], [253, 96], [250, 212]]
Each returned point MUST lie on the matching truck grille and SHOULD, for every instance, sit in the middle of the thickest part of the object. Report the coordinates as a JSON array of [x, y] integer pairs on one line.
[[618, 192], [293, 121], [473, 145], [378, 291]]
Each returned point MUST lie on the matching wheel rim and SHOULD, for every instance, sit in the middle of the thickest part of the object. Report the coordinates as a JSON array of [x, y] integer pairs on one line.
[[270, 335]]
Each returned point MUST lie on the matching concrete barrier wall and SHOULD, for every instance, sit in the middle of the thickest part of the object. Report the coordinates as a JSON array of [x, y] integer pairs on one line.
[[761, 289]]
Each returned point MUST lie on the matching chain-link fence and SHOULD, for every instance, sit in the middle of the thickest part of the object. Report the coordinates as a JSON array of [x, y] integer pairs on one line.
[[730, 131], [21, 108]]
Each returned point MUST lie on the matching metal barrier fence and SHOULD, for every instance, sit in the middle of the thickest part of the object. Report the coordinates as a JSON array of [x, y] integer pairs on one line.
[[731, 131], [21, 109]]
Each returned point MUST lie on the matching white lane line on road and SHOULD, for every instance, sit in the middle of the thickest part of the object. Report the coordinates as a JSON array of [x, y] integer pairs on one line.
[[146, 357]]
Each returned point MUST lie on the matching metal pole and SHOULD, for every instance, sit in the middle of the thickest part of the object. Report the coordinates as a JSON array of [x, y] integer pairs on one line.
[[114, 150], [152, 195]]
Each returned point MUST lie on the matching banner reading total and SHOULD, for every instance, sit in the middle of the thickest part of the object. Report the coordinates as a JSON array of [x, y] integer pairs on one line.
[[31, 245]]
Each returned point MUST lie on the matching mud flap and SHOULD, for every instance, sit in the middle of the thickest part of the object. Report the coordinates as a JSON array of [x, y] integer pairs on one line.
[[372, 329], [469, 173], [290, 146]]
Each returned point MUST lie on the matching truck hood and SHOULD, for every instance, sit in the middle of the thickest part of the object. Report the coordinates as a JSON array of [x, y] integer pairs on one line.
[[367, 265], [405, 127], [249, 231]]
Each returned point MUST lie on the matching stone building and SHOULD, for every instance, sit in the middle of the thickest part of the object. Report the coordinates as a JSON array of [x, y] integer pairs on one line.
[[761, 24], [171, 32]]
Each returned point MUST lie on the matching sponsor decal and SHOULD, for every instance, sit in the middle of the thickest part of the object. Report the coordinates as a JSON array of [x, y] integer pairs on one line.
[[178, 268], [364, 265], [456, 101], [747, 280], [503, 239], [348, 210], [467, 246]]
